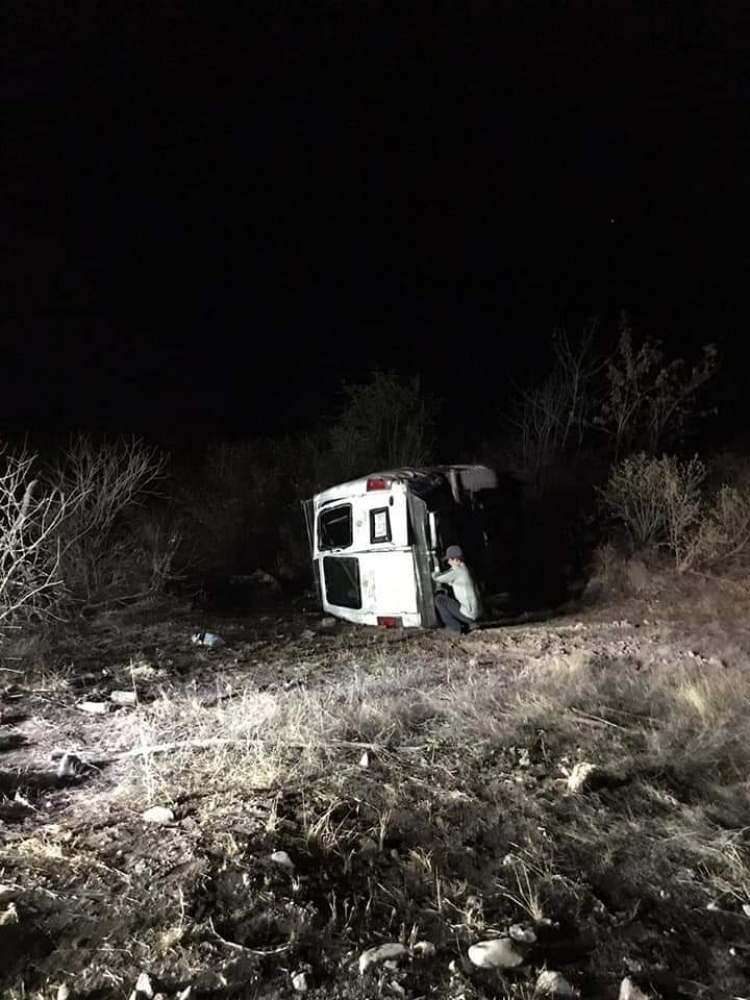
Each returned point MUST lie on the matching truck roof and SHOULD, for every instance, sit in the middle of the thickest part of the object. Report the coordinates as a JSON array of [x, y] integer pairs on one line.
[[472, 477]]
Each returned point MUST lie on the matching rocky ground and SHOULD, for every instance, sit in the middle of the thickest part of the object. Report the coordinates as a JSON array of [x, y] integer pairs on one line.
[[550, 808]]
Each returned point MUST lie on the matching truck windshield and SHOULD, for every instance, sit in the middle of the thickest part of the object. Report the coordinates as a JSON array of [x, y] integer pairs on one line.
[[335, 528]]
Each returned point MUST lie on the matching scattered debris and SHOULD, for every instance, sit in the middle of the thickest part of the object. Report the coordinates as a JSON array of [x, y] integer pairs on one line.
[[524, 759], [629, 991], [499, 953], [554, 984], [327, 622], [524, 935], [143, 669], [581, 776], [144, 989], [70, 766], [390, 952], [207, 639], [94, 707], [124, 697], [9, 915], [283, 859], [364, 760], [425, 949], [299, 982], [159, 815], [63, 992], [746, 909]]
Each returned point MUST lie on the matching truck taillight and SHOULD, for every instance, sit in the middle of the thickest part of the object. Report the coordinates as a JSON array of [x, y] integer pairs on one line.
[[378, 484], [389, 621]]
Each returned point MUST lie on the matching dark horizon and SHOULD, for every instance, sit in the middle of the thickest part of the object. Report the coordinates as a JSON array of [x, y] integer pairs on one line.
[[214, 223]]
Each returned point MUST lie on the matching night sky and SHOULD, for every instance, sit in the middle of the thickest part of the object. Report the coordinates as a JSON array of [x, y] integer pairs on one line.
[[214, 214]]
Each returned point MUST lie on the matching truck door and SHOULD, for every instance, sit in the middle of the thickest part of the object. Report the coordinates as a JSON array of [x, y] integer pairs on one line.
[[381, 538]]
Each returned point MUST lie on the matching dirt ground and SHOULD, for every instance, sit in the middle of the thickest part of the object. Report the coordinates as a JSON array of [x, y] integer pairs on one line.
[[333, 788]]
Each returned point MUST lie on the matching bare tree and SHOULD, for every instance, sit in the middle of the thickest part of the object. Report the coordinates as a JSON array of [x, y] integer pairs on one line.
[[30, 519], [386, 423], [648, 399], [553, 417]]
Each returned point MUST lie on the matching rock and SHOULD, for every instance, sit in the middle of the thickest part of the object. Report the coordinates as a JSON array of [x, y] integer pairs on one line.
[[124, 697], [581, 776], [500, 953], [522, 934], [553, 984], [9, 915], [299, 982], [364, 760], [94, 707], [629, 991], [390, 952], [159, 815], [70, 766], [283, 859]]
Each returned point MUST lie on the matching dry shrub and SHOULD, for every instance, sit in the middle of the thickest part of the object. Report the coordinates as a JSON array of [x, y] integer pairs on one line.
[[724, 532], [101, 555], [656, 500], [661, 504], [622, 575]]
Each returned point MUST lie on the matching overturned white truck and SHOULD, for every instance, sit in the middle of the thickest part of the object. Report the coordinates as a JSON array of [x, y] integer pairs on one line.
[[375, 541]]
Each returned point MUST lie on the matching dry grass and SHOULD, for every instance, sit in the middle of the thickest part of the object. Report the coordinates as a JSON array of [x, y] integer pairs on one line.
[[457, 822]]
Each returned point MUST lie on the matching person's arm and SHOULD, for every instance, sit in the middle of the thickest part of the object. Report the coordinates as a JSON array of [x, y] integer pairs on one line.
[[447, 577]]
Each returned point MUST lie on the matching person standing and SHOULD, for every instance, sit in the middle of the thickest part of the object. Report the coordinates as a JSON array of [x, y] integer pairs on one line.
[[460, 612]]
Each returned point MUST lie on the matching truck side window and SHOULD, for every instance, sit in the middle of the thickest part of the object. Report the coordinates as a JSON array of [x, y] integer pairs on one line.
[[335, 528], [380, 525]]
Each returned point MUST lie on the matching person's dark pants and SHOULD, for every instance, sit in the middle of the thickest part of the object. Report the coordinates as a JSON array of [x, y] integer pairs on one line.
[[450, 614]]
